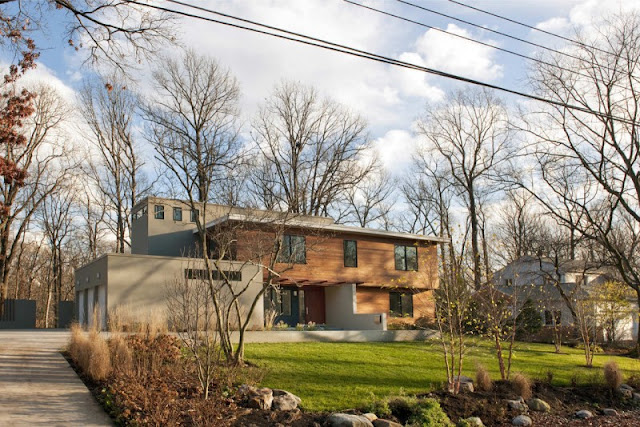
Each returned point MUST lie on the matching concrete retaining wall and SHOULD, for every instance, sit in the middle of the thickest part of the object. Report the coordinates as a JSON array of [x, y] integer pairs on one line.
[[336, 336]]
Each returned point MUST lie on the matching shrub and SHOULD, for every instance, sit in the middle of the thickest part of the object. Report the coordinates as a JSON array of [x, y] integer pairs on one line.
[[522, 385], [380, 407], [612, 375], [483, 379], [429, 414], [528, 321]]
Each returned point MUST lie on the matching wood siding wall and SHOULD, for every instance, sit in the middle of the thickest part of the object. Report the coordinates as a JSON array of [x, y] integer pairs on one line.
[[325, 259], [376, 300]]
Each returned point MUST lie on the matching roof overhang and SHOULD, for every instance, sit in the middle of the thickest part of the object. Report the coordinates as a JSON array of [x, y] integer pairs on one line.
[[331, 228]]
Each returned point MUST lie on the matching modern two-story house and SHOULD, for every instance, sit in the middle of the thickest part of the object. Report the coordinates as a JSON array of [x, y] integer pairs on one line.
[[331, 274]]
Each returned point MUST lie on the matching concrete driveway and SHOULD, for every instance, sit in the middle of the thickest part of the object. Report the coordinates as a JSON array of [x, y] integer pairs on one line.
[[37, 385]]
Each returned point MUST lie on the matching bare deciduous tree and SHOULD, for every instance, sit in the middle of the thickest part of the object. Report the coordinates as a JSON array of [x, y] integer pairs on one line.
[[311, 150], [469, 134], [109, 112], [589, 159], [370, 201]]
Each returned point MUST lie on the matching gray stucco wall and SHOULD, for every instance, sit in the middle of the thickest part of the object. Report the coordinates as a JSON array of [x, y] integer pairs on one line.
[[137, 285], [341, 310]]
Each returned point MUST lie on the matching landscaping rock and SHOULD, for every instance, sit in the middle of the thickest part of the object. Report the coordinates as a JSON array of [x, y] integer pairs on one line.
[[246, 389], [584, 414], [521, 420], [348, 420], [370, 416], [474, 421], [636, 397], [466, 384], [260, 399], [538, 405], [284, 401], [466, 387], [385, 423], [610, 412], [518, 405], [625, 391]]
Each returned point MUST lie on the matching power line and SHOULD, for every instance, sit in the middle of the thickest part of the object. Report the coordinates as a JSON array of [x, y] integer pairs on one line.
[[511, 52], [473, 24], [495, 15], [360, 53]]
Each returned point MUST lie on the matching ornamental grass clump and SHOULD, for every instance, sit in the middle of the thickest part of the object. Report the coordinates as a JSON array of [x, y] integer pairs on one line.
[[483, 379], [612, 375], [522, 385]]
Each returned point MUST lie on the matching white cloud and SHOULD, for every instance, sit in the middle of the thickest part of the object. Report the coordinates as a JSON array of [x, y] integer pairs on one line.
[[396, 149], [455, 55]]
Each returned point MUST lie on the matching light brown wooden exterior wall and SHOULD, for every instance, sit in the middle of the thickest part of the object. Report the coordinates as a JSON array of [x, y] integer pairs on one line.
[[376, 263], [376, 300]]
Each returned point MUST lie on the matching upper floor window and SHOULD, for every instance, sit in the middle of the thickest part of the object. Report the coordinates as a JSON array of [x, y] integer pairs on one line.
[[177, 214], [350, 253], [400, 304], [194, 214], [293, 250], [158, 211], [508, 282], [406, 258]]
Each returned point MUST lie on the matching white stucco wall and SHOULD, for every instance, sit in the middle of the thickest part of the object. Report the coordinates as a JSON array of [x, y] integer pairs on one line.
[[341, 310]]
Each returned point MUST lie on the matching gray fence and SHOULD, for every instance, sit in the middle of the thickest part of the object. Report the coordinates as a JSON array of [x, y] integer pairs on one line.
[[18, 314]]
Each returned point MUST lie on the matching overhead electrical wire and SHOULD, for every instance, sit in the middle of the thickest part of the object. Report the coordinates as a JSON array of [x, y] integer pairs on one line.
[[511, 52], [531, 27], [336, 47], [501, 33]]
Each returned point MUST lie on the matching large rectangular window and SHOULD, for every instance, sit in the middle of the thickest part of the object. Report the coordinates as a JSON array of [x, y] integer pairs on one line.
[[293, 250], [158, 212], [177, 214], [350, 253], [406, 258], [279, 301], [400, 304], [552, 317]]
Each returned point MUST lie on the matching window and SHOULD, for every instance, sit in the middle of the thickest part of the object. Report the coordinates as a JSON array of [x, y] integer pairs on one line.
[[400, 304], [293, 250], [508, 282], [177, 214], [158, 212], [552, 317], [201, 274], [350, 253], [279, 301], [194, 214], [406, 258]]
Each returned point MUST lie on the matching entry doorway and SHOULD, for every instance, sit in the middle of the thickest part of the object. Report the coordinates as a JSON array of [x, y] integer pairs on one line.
[[314, 307]]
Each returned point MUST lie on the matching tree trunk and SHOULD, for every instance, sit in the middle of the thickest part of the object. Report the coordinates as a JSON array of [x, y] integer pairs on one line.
[[475, 247]]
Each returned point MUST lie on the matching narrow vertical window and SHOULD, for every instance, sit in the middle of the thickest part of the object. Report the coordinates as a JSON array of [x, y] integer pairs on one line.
[[400, 304], [293, 250], [177, 214], [158, 212], [194, 214], [350, 253]]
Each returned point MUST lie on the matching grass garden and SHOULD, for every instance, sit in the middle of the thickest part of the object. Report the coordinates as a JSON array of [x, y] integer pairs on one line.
[[334, 376]]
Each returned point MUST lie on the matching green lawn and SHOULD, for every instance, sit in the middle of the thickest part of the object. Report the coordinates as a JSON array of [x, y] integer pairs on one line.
[[333, 376]]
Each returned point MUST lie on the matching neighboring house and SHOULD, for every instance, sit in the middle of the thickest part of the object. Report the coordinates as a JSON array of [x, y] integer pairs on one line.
[[340, 276], [553, 285]]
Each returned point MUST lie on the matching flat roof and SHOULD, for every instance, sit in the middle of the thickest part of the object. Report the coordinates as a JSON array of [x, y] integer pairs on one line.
[[339, 228]]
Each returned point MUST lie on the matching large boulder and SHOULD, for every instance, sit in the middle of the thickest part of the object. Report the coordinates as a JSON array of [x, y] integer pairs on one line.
[[625, 391], [584, 414], [370, 416], [260, 399], [474, 422], [610, 412], [466, 384], [521, 420], [348, 420], [385, 423], [518, 405], [284, 401], [539, 405]]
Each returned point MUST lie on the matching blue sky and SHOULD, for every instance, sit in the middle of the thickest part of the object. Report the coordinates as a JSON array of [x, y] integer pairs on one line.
[[389, 98]]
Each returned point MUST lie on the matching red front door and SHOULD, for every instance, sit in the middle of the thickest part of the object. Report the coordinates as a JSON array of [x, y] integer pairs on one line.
[[314, 304]]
